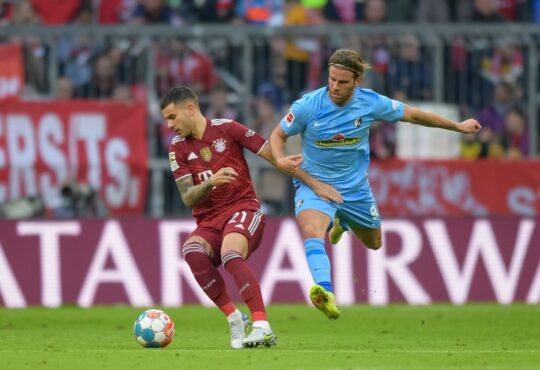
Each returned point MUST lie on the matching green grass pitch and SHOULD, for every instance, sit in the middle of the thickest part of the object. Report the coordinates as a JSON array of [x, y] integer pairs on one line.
[[475, 336]]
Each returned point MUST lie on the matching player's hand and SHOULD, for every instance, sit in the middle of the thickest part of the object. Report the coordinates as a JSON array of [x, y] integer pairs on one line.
[[289, 163], [224, 176], [469, 126], [326, 192]]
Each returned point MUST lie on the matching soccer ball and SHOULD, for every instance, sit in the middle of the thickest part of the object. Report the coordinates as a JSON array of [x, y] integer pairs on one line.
[[154, 329]]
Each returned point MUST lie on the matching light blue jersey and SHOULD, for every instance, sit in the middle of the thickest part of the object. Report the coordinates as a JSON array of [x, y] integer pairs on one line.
[[335, 140], [335, 147]]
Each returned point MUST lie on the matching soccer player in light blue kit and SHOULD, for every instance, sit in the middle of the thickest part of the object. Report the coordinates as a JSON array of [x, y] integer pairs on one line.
[[334, 122]]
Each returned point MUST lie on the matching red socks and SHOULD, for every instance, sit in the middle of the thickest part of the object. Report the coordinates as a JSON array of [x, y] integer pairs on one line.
[[211, 281], [208, 277], [247, 283]]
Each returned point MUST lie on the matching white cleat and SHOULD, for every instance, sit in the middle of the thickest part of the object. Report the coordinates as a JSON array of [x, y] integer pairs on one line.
[[239, 325], [260, 336]]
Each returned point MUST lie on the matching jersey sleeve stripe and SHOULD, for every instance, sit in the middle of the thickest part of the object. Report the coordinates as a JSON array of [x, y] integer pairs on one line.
[[180, 178], [262, 146]]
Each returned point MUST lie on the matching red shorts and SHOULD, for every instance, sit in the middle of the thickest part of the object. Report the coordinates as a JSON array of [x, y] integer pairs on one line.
[[248, 222]]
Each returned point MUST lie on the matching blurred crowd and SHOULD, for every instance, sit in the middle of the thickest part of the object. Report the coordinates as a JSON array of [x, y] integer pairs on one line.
[[402, 67], [484, 78], [268, 12]]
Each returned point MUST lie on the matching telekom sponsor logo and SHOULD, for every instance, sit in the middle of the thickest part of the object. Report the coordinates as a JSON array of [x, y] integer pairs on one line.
[[423, 261]]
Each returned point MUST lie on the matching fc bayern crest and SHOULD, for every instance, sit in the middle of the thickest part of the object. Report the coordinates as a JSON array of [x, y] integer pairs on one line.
[[358, 122], [219, 145]]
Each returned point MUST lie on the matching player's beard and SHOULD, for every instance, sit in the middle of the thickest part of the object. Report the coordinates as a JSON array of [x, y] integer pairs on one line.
[[340, 98], [334, 95]]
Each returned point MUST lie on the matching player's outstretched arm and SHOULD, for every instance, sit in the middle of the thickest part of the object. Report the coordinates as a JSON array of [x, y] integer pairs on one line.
[[429, 119], [194, 194], [286, 164], [323, 190]]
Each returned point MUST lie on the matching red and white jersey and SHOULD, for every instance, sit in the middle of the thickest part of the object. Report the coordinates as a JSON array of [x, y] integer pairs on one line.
[[221, 146]]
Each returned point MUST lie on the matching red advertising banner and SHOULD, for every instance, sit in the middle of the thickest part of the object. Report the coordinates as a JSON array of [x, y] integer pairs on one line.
[[11, 70], [139, 262], [456, 188], [43, 145]]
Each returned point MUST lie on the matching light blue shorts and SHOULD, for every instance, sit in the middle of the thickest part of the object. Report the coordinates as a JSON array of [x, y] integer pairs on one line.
[[357, 213]]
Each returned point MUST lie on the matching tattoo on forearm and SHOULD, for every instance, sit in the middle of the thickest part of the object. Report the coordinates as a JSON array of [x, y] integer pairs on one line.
[[193, 194]]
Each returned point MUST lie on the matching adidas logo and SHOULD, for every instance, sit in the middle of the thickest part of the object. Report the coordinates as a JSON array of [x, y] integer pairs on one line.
[[192, 156]]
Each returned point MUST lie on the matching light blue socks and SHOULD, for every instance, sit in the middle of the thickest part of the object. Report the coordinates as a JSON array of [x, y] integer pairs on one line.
[[318, 262]]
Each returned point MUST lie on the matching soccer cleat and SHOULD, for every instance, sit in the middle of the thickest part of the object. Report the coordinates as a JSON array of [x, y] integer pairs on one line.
[[335, 233], [260, 336], [324, 301], [238, 326]]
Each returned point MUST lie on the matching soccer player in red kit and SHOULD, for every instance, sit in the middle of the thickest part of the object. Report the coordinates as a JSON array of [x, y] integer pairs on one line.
[[213, 179]]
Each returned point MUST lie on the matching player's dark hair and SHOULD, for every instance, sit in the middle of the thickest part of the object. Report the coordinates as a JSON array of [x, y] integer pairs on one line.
[[350, 60], [177, 95]]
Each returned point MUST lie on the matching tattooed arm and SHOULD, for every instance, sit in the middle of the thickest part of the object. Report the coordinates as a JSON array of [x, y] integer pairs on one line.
[[194, 194]]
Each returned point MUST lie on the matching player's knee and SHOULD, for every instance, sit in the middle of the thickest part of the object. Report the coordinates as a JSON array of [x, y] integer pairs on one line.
[[374, 244], [371, 239], [312, 231]]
